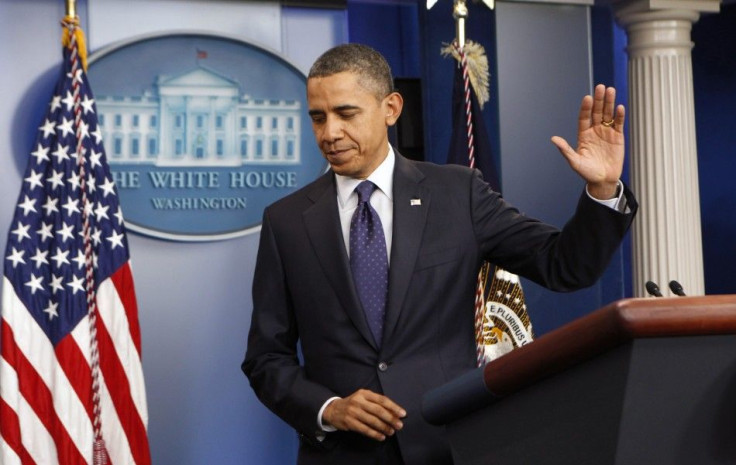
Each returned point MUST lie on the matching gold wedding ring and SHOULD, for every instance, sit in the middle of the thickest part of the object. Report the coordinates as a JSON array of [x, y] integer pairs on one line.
[[608, 124]]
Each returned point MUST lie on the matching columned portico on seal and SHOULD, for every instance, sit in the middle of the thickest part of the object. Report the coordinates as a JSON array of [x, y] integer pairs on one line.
[[667, 241]]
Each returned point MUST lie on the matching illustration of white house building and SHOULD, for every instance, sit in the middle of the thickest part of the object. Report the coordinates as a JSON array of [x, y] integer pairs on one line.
[[199, 118]]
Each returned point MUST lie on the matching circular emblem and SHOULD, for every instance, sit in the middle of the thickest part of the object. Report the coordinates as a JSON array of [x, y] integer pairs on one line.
[[201, 132]]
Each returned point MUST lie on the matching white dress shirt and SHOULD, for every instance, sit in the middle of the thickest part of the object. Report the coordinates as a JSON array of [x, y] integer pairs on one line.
[[382, 199]]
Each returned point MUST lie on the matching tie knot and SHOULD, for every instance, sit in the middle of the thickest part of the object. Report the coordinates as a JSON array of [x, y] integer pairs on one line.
[[365, 190]]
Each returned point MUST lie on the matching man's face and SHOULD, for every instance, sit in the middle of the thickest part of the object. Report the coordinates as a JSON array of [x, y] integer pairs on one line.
[[350, 123]]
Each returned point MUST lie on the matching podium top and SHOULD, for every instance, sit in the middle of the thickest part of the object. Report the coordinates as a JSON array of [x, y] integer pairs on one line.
[[576, 342], [606, 328]]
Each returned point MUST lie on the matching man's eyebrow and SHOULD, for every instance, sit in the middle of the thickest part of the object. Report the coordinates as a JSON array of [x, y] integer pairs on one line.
[[347, 107], [339, 109]]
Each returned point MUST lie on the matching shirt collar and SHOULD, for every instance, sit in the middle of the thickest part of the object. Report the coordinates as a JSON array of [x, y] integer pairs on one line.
[[381, 177]]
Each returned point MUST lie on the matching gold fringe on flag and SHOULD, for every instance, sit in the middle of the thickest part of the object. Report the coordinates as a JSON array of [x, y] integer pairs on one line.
[[478, 70]]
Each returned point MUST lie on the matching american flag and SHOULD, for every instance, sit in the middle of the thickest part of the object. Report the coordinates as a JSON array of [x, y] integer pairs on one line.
[[71, 379]]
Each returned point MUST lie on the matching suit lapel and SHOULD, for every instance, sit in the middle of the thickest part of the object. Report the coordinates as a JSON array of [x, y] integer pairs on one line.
[[411, 204], [322, 222]]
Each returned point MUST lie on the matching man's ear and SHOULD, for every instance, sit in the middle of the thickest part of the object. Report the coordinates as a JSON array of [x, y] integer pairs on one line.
[[393, 103]]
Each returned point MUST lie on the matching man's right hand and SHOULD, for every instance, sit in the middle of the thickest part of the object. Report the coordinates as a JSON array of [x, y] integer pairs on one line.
[[365, 412]]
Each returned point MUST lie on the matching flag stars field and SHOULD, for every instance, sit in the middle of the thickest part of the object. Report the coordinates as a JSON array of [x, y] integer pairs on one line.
[[107, 187], [45, 231], [55, 103], [101, 212], [76, 284], [48, 128], [71, 206], [68, 101], [55, 179], [40, 258], [88, 210], [116, 240], [60, 153], [65, 127], [94, 159], [80, 260], [83, 130], [50, 205], [119, 216], [16, 257], [87, 105], [28, 205], [61, 258], [21, 231], [77, 76], [66, 232], [97, 135], [56, 284], [91, 183], [35, 283], [74, 181], [41, 154], [50, 310], [96, 237], [34, 179]]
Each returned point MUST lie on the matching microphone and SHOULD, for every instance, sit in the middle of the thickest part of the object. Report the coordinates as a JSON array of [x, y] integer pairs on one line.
[[676, 288], [653, 289]]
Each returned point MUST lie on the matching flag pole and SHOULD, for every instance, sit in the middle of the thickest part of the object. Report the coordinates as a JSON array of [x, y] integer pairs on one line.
[[71, 8], [460, 13]]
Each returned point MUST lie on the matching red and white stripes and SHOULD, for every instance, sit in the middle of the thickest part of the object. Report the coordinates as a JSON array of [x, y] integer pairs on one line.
[[46, 403]]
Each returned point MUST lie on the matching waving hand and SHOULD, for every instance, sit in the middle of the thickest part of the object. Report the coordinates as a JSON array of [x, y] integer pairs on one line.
[[599, 157]]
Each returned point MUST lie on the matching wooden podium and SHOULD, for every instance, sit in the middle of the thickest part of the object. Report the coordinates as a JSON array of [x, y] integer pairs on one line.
[[640, 381]]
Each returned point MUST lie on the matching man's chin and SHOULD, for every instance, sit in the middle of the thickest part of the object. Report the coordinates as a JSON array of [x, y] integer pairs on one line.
[[342, 171], [340, 167]]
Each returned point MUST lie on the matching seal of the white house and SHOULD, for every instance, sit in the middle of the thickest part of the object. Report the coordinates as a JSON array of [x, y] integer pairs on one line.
[[201, 132]]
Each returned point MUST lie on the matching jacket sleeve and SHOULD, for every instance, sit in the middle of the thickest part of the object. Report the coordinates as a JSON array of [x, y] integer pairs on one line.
[[561, 260], [272, 362]]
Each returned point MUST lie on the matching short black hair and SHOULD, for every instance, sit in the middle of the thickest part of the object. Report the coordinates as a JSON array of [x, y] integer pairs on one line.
[[371, 67]]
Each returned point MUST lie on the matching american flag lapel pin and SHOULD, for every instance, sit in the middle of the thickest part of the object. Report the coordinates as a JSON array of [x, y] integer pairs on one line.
[[415, 202]]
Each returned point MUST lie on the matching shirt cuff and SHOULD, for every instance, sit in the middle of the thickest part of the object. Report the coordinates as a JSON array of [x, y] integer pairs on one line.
[[322, 427], [617, 203]]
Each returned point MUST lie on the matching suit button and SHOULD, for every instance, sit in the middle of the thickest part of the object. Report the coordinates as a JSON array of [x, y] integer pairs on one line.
[[383, 366]]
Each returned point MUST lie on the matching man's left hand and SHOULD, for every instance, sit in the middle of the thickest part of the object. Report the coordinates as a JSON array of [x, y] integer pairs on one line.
[[599, 158]]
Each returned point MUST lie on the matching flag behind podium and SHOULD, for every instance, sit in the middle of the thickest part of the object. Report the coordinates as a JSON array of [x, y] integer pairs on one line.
[[71, 379], [502, 322]]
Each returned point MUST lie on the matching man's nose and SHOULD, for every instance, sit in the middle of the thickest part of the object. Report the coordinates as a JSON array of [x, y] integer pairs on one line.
[[333, 129]]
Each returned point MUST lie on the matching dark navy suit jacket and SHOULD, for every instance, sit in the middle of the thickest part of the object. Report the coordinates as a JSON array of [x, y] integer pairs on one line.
[[446, 222]]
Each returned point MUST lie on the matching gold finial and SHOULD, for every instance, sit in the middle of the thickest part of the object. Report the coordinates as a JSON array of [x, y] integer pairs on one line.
[[71, 8], [460, 13]]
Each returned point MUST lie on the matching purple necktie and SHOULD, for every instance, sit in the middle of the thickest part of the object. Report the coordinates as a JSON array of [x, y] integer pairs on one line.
[[368, 259]]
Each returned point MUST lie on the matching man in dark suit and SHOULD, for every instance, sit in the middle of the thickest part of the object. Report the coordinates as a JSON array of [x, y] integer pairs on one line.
[[354, 392]]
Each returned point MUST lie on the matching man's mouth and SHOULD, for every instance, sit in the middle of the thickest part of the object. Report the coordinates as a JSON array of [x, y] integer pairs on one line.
[[336, 152]]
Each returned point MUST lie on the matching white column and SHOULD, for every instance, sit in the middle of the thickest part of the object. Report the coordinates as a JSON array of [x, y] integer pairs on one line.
[[667, 241]]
